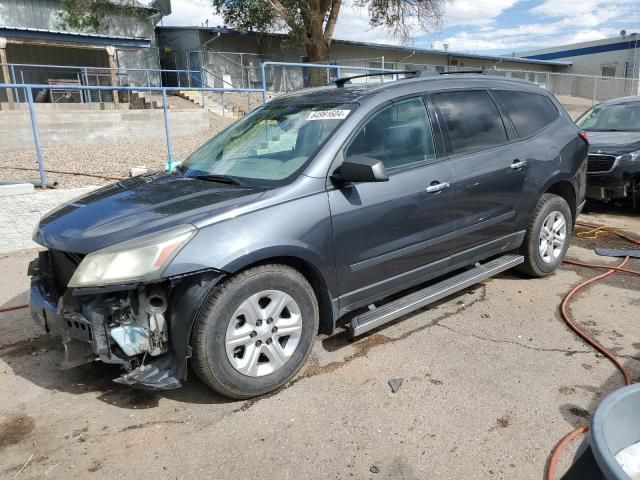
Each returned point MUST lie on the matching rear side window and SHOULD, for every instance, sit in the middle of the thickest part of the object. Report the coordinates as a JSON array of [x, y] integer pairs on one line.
[[399, 135], [472, 119], [529, 112]]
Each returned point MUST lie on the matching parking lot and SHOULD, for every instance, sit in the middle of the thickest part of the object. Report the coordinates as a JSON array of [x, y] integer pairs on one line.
[[492, 378]]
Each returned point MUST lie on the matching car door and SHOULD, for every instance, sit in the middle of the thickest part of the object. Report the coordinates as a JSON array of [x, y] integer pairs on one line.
[[491, 169], [390, 235]]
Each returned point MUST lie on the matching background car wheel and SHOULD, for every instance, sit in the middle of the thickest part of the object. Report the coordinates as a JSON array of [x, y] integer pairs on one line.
[[548, 235], [255, 331]]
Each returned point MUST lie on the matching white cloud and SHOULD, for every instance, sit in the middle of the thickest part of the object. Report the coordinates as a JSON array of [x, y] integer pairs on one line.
[[192, 13], [555, 22], [474, 12]]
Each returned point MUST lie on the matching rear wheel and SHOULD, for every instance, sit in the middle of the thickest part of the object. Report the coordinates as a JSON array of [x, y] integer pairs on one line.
[[255, 331], [547, 236]]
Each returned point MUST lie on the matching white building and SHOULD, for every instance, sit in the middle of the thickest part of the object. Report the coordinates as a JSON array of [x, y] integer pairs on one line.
[[610, 57]]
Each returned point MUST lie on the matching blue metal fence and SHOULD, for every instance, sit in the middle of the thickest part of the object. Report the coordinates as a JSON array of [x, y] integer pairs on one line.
[[26, 89], [28, 94], [332, 70]]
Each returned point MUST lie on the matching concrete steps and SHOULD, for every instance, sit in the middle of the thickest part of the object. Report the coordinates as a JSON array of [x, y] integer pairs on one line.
[[212, 103]]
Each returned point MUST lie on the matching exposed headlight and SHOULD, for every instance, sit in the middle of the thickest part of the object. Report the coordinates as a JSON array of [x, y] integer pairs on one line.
[[136, 260], [630, 157]]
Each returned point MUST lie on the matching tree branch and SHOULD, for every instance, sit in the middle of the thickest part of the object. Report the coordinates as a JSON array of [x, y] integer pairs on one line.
[[284, 13], [332, 20]]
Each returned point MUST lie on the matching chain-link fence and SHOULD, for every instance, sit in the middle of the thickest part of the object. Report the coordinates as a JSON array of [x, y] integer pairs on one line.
[[228, 69], [281, 77], [590, 88]]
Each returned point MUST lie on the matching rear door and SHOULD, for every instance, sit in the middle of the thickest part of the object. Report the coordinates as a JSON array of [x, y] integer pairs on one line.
[[491, 169], [390, 235]]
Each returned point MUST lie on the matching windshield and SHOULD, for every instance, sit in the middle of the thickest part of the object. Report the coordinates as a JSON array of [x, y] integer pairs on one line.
[[267, 147], [621, 117]]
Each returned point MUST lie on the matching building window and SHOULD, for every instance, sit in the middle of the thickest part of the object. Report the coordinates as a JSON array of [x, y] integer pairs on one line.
[[608, 70]]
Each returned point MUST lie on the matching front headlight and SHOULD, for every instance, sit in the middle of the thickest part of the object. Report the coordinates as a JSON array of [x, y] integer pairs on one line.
[[136, 260], [630, 157]]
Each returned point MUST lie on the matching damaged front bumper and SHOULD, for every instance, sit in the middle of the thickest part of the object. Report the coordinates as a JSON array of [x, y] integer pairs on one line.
[[134, 326]]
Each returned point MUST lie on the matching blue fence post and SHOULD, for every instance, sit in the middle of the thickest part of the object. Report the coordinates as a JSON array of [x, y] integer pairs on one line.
[[338, 72], [165, 108], [86, 82], [264, 84], [82, 94], [36, 137], [15, 90], [146, 72]]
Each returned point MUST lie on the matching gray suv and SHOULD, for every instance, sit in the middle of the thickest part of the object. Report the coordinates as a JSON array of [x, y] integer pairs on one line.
[[311, 211]]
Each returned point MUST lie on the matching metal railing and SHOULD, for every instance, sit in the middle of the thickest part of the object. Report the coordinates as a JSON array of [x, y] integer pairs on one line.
[[306, 75], [28, 93], [24, 74], [296, 76]]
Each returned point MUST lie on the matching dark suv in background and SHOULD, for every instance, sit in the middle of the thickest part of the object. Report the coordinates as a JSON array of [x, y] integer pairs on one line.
[[614, 154], [310, 209]]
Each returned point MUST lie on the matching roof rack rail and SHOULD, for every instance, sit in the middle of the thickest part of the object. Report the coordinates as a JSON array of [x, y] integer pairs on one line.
[[342, 80]]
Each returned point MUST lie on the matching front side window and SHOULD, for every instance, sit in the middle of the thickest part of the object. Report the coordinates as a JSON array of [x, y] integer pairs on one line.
[[529, 112], [612, 118], [472, 119], [399, 135], [269, 146]]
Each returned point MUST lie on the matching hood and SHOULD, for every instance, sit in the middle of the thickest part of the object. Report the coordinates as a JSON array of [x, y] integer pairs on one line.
[[135, 207], [614, 143]]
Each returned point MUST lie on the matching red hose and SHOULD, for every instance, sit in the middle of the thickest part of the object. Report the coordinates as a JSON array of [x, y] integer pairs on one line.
[[567, 439], [15, 307], [62, 172]]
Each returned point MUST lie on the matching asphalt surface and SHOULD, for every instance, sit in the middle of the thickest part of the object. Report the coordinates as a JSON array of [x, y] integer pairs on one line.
[[491, 380]]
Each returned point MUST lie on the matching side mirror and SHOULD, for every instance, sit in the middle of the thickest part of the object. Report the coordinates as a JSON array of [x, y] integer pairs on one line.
[[360, 169]]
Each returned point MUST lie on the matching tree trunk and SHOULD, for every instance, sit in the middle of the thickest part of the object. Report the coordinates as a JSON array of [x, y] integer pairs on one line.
[[318, 52]]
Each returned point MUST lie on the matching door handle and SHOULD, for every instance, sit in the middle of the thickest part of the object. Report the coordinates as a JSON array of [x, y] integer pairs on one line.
[[518, 164], [436, 187]]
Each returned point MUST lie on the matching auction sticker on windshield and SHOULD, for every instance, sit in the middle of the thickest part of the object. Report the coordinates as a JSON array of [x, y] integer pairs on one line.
[[328, 115]]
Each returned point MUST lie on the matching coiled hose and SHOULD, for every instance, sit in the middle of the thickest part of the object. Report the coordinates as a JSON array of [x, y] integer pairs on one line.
[[610, 270]]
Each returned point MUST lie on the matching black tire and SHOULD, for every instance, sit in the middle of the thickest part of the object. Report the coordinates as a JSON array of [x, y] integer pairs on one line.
[[210, 361], [534, 265]]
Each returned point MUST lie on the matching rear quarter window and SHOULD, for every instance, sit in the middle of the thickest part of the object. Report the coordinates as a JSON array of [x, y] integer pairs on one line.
[[529, 112], [472, 119]]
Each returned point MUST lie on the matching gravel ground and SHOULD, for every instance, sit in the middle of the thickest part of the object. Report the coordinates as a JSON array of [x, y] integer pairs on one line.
[[112, 160], [492, 379]]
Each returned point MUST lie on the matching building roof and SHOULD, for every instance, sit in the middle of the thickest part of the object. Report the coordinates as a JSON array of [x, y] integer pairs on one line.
[[611, 44], [74, 37], [382, 46]]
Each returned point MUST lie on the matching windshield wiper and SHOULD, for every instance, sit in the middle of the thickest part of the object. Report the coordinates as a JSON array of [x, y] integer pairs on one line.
[[220, 179]]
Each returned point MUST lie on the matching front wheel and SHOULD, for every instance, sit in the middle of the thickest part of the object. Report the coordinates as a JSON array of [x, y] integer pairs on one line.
[[547, 237], [255, 331]]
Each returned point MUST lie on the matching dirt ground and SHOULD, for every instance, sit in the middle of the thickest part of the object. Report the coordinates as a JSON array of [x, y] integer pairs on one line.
[[492, 378]]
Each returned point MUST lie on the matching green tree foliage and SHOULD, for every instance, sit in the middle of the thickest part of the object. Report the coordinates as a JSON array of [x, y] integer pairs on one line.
[[91, 15], [311, 23]]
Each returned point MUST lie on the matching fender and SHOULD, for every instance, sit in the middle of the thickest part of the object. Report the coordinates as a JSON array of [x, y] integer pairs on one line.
[[187, 299]]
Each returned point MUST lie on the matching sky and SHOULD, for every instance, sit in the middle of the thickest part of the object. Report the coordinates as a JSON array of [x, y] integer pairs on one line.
[[475, 26]]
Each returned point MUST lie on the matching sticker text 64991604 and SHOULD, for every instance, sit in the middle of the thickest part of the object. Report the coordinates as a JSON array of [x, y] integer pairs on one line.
[[328, 115]]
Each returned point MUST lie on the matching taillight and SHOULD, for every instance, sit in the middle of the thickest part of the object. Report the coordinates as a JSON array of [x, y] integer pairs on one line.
[[584, 135]]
